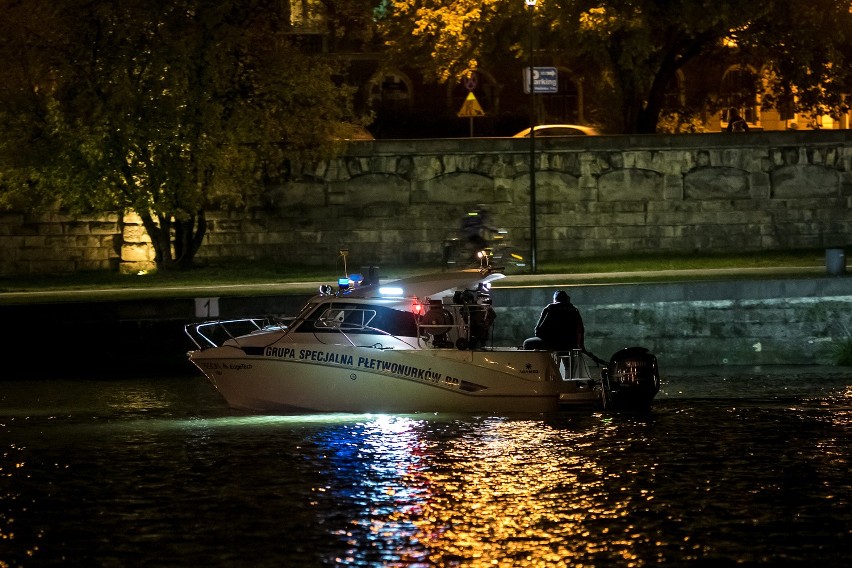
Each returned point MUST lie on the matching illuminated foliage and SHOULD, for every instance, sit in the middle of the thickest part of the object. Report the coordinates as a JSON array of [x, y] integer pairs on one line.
[[631, 50], [165, 107], [446, 40], [810, 44]]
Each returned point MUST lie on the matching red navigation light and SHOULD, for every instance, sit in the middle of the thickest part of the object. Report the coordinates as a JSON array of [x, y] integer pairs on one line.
[[417, 308]]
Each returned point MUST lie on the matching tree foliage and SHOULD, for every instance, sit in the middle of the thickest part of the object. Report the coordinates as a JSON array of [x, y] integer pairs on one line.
[[447, 39], [633, 49], [350, 22], [165, 107], [809, 45]]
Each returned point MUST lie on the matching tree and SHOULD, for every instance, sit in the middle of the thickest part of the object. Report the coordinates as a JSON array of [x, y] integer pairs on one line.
[[447, 39], [632, 48], [809, 49], [642, 45], [165, 107], [350, 23]]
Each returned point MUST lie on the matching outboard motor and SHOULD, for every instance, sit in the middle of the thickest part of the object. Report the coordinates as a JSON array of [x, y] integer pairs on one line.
[[631, 380]]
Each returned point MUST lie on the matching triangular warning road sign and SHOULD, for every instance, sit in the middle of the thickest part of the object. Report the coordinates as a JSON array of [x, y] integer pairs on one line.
[[471, 107]]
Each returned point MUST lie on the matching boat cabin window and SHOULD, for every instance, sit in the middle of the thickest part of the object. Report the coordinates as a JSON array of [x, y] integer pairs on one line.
[[358, 318]]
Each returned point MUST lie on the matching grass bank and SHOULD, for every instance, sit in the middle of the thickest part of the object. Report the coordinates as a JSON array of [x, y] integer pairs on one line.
[[265, 276]]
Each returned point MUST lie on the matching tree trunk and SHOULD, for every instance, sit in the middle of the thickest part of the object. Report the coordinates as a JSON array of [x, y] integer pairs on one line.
[[188, 237]]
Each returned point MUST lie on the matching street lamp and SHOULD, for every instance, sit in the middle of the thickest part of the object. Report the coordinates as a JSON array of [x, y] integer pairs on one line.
[[531, 5]]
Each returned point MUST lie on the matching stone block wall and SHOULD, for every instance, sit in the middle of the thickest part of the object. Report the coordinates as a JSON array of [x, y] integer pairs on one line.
[[804, 321], [56, 243], [397, 201]]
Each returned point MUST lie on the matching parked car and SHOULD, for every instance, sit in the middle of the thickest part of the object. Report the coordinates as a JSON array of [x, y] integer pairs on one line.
[[559, 130], [347, 131]]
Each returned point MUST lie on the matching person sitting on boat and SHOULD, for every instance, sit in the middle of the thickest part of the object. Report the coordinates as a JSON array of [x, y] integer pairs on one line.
[[560, 327]]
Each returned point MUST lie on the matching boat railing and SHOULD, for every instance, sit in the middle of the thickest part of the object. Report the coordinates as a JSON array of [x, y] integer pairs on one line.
[[442, 334], [346, 328], [455, 330], [573, 365], [209, 334]]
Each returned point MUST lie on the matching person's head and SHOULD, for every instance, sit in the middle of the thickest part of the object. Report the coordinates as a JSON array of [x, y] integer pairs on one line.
[[561, 296], [733, 113]]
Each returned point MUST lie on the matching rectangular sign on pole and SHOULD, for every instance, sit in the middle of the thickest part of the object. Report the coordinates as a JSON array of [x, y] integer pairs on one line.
[[545, 80]]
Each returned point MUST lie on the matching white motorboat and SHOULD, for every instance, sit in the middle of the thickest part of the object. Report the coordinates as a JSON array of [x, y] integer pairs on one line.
[[417, 344]]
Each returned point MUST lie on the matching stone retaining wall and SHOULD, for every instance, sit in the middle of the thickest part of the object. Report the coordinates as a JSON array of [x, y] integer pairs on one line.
[[396, 201], [773, 322], [803, 321]]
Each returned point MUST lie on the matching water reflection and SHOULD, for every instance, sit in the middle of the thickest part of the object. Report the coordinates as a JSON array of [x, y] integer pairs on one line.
[[747, 468], [493, 490], [509, 491]]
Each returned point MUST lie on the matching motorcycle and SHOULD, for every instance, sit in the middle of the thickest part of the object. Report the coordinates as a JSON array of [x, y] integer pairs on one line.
[[500, 256]]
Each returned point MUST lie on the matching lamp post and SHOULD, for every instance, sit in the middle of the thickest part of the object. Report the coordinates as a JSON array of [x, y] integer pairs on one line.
[[531, 6]]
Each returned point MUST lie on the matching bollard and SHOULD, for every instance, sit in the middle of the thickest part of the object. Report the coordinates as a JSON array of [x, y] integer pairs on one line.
[[835, 261]]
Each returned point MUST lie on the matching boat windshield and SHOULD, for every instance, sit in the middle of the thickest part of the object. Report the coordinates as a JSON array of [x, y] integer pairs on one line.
[[358, 318]]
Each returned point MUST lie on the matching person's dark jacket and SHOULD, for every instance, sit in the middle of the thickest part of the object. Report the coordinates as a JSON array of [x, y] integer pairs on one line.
[[561, 326]]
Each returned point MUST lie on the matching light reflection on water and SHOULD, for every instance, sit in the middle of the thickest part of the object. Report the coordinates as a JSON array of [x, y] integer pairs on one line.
[[749, 467]]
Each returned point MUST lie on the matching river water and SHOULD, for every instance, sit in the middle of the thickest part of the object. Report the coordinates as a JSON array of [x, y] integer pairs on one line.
[[733, 466]]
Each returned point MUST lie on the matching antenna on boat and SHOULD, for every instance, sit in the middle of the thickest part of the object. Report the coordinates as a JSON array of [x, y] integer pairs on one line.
[[344, 252]]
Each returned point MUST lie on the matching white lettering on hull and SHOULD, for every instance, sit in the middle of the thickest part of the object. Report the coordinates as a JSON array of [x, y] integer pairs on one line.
[[344, 360]]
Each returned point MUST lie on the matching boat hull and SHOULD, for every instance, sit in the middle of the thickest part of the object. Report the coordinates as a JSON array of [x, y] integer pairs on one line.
[[366, 380]]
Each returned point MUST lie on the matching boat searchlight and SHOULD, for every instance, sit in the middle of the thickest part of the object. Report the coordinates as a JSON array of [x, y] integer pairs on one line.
[[391, 291]]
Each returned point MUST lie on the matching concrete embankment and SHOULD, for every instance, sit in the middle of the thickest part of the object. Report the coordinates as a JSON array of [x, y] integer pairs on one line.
[[741, 322]]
